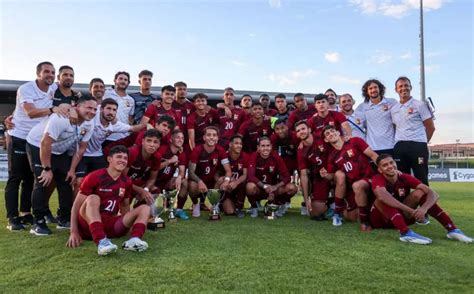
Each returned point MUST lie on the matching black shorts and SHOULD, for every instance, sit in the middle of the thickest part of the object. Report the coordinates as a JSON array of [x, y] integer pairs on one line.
[[89, 164]]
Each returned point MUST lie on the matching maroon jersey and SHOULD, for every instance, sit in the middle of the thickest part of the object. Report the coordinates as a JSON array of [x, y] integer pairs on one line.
[[111, 192], [400, 189], [183, 109], [313, 158], [270, 112], [351, 160], [269, 170], [228, 126], [251, 133], [139, 167], [207, 163], [165, 174], [164, 141], [154, 113], [298, 115], [199, 123], [237, 166], [333, 118], [286, 148]]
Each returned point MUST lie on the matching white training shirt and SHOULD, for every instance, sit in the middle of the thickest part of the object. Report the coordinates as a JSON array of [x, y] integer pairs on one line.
[[29, 93], [378, 123], [408, 119], [357, 124], [126, 107], [66, 136], [100, 134]]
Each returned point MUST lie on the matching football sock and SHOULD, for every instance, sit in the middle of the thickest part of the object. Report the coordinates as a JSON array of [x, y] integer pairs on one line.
[[339, 205], [138, 230], [396, 218], [363, 214], [440, 215], [181, 202], [97, 231]]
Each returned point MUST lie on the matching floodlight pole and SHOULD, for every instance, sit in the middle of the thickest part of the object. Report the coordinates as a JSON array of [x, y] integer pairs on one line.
[[422, 55]]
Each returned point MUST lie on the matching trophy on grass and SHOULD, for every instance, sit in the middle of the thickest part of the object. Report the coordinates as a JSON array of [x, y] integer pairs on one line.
[[170, 197], [156, 222], [270, 209], [214, 196]]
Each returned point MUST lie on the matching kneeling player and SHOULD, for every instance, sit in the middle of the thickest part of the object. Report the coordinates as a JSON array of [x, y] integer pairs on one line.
[[204, 162], [268, 178], [396, 207], [234, 197], [102, 195]]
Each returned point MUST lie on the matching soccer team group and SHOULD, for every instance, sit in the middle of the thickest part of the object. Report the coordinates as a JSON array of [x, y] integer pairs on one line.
[[109, 153]]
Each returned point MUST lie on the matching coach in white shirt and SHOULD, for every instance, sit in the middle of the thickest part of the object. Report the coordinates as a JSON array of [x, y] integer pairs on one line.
[[34, 103], [50, 146], [414, 128], [126, 104]]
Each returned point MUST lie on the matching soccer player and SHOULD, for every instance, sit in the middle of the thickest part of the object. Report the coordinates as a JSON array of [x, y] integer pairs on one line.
[[50, 146], [254, 128], [229, 118], [33, 104], [402, 199], [355, 120], [95, 213], [153, 113], [246, 104], [268, 178], [282, 109], [181, 104], [126, 104], [375, 112], [144, 97], [172, 174], [285, 143], [349, 166], [199, 120], [265, 102], [414, 129], [143, 165], [312, 157], [234, 197], [323, 117], [332, 99], [204, 162], [302, 111]]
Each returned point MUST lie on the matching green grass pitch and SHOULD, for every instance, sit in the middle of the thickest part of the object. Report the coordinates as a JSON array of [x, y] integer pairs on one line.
[[292, 254]]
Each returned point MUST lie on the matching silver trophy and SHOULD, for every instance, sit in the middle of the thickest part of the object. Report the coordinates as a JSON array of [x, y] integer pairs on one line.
[[170, 198], [215, 196], [270, 210], [156, 222]]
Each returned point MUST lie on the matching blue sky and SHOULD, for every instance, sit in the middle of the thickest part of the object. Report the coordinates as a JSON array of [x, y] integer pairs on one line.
[[274, 45]]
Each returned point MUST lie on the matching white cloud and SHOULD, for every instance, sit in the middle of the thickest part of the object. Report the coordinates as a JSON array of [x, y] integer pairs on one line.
[[292, 77], [252, 35], [341, 79], [275, 3], [381, 57], [238, 63], [394, 8], [434, 54], [332, 57], [406, 55]]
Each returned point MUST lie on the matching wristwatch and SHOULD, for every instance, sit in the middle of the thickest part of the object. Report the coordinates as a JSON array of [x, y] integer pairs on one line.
[[46, 168], [51, 110]]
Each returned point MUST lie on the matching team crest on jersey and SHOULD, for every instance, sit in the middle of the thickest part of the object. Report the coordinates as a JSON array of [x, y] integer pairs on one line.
[[214, 161], [358, 121], [321, 148], [420, 160], [331, 123], [127, 103], [239, 165], [83, 131], [271, 168], [121, 192], [401, 192], [236, 116], [385, 107], [264, 131], [410, 110], [350, 153]]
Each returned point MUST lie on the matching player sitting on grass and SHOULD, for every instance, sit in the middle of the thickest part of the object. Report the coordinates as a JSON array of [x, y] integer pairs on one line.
[[95, 213], [396, 207]]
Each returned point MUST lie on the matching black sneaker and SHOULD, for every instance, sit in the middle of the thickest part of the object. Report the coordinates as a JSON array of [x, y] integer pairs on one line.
[[40, 229], [27, 220], [240, 213], [63, 225], [50, 219], [14, 225]]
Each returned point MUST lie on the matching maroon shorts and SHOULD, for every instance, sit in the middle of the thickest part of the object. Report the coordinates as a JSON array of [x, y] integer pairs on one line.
[[291, 165], [379, 221], [113, 226], [238, 193], [320, 189]]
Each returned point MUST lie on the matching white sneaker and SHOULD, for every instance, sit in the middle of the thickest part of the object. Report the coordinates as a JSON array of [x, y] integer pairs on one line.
[[135, 244], [336, 220], [458, 235], [196, 210], [304, 211], [106, 247], [253, 212]]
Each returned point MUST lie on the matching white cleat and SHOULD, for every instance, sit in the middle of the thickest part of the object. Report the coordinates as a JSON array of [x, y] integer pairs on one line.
[[458, 235], [106, 247], [415, 238], [135, 244], [196, 210]]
